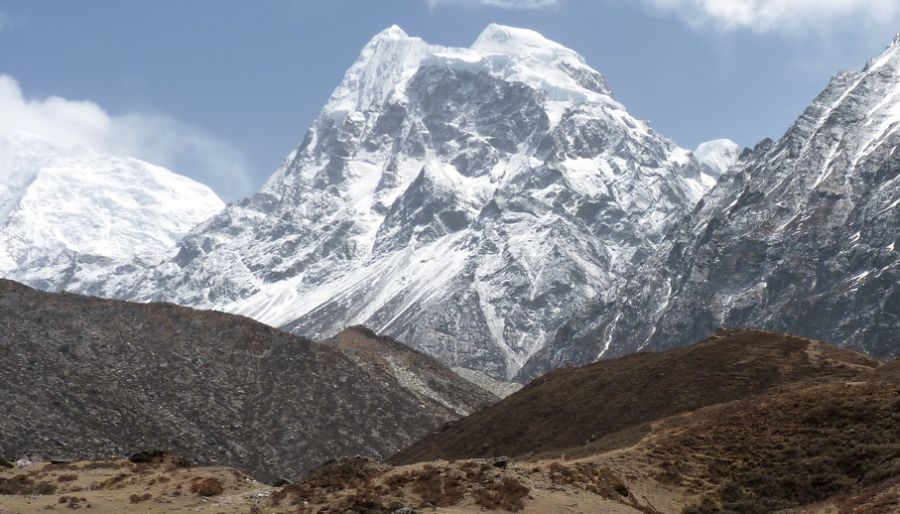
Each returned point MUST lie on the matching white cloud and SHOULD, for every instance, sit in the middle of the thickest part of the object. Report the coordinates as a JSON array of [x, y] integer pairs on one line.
[[505, 4], [780, 15], [154, 138]]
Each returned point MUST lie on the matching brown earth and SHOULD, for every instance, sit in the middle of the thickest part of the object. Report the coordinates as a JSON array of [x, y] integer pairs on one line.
[[571, 407], [114, 486]]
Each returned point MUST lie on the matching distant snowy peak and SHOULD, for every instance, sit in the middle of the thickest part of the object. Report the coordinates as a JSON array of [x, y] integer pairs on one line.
[[57, 200], [718, 155]]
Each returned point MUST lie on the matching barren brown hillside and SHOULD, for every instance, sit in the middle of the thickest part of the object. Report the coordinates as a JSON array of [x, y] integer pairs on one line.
[[571, 407]]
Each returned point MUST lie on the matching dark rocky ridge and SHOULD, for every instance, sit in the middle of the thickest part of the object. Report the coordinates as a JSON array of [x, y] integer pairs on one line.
[[90, 378]]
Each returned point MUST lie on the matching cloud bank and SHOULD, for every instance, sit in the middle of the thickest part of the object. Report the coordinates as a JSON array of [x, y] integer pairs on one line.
[[154, 138], [505, 4], [777, 15]]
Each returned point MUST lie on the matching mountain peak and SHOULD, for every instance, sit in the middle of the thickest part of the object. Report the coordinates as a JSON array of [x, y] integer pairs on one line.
[[389, 58], [506, 39], [392, 33]]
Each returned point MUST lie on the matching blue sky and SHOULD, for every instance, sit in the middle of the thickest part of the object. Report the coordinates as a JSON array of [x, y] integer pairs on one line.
[[222, 90]]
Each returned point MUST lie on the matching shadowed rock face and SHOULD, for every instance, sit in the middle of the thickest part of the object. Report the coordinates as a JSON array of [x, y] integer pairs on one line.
[[88, 378], [572, 407], [801, 236]]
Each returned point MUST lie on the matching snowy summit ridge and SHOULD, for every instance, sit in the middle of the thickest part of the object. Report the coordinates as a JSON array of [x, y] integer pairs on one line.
[[392, 57], [463, 200]]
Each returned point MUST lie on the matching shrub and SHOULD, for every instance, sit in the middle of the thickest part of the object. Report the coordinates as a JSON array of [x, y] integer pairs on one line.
[[437, 489], [73, 501], [207, 487], [508, 494], [331, 477], [103, 464], [25, 485], [112, 482], [590, 477], [148, 457], [138, 498]]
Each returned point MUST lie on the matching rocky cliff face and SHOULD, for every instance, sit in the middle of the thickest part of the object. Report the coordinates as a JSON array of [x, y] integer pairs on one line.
[[802, 237], [465, 200], [88, 378]]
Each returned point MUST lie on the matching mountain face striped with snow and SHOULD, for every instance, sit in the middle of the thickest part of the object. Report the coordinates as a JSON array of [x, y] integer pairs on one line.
[[802, 236], [70, 214], [464, 200]]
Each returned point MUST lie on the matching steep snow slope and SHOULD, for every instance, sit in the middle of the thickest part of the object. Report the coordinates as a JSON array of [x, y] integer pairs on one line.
[[59, 206], [801, 236], [464, 200]]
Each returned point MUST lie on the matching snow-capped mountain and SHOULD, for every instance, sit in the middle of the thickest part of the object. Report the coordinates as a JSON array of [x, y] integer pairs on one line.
[[717, 156], [802, 236], [76, 211], [464, 200]]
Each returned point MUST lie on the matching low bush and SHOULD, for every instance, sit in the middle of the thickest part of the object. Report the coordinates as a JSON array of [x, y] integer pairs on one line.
[[207, 487], [138, 498], [25, 485], [590, 477], [508, 494], [437, 487]]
